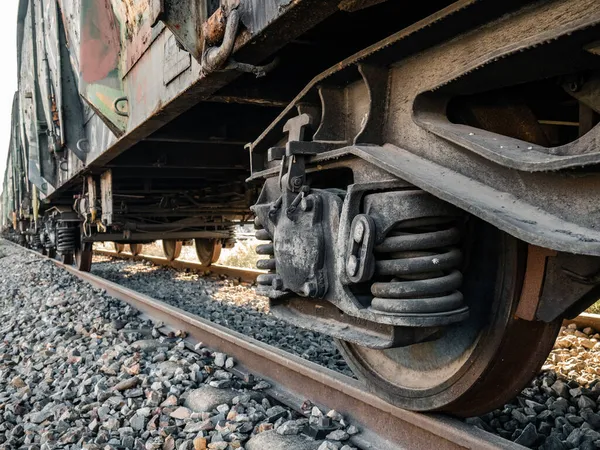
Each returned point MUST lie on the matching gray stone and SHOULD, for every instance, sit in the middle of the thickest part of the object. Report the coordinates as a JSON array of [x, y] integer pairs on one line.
[[328, 446], [137, 422], [290, 427], [261, 385], [528, 437], [574, 437], [220, 359], [586, 402], [207, 398], [181, 413], [553, 443], [195, 427], [168, 368], [561, 388], [352, 430], [147, 345], [273, 441], [126, 384], [338, 435], [39, 417]]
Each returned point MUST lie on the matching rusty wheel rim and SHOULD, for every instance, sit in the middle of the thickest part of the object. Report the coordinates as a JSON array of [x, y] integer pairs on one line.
[[135, 249], [171, 248], [461, 372], [207, 251]]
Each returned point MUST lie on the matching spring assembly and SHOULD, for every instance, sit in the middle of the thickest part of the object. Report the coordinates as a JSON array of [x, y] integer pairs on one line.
[[268, 281], [37, 241], [422, 261], [66, 239]]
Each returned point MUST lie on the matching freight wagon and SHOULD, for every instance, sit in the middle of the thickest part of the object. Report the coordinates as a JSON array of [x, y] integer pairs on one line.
[[425, 175]]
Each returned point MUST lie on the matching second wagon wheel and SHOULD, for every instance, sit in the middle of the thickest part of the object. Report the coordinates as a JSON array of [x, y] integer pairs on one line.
[[475, 365], [119, 248], [171, 248], [135, 249], [207, 250], [83, 257]]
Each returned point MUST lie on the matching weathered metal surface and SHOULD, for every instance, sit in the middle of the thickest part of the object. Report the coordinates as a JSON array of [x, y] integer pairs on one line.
[[526, 204], [106, 197]]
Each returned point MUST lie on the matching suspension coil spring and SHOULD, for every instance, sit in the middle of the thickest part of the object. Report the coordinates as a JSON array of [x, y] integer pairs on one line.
[[423, 261], [268, 281], [37, 241], [66, 239]]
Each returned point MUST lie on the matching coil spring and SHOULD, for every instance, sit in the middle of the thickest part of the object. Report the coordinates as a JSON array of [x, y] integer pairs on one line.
[[423, 261], [37, 241], [269, 280], [66, 238]]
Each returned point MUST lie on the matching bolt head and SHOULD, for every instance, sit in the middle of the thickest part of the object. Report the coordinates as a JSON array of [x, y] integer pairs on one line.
[[277, 283], [309, 289], [359, 232], [297, 181], [352, 266], [307, 204]]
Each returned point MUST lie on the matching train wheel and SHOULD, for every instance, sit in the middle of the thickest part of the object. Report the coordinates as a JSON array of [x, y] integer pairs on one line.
[[171, 248], [208, 251], [476, 365], [119, 248], [83, 257], [135, 249]]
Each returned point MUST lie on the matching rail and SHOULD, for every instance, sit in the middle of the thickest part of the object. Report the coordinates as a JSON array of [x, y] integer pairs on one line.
[[247, 275]]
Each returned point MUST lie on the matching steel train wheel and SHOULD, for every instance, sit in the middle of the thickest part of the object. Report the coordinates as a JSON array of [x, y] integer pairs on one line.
[[171, 248], [208, 251], [119, 248], [83, 257], [135, 249], [476, 365]]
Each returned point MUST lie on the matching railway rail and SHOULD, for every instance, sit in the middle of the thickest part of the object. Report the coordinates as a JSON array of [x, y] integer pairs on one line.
[[293, 380], [247, 275]]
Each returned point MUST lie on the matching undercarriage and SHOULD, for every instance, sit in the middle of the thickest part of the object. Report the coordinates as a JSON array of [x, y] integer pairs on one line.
[[433, 209]]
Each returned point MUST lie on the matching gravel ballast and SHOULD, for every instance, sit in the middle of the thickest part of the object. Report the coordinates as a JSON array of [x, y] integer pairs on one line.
[[557, 411], [225, 302], [79, 369]]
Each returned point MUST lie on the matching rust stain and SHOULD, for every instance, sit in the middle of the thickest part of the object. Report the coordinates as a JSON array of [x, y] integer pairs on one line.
[[100, 41]]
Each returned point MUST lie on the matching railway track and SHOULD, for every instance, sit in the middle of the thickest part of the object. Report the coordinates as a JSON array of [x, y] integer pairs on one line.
[[294, 380], [248, 275]]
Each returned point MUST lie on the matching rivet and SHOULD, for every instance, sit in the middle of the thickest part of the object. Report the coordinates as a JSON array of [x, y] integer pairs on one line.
[[277, 283]]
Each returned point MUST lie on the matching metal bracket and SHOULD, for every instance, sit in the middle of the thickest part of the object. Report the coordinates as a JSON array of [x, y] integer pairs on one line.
[[293, 172], [360, 265], [106, 197]]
